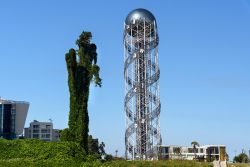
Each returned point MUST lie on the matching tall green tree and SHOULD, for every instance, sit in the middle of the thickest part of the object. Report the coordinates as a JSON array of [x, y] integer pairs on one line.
[[82, 69]]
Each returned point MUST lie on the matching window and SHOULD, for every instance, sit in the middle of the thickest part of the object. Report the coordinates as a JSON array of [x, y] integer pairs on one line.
[[201, 150], [36, 126], [45, 131], [35, 135], [214, 150], [47, 135], [190, 150], [165, 150], [48, 126], [35, 131]]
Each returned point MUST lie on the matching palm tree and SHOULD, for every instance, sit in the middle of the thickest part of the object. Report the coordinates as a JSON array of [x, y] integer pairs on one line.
[[194, 144]]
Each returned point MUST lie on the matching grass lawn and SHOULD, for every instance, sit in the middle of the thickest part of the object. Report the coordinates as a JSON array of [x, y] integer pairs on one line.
[[239, 165], [120, 163]]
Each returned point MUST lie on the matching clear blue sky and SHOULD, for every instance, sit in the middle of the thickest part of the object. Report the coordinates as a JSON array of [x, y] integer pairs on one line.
[[204, 56]]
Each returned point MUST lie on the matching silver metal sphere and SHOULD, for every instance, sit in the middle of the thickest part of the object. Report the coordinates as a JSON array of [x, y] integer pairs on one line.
[[140, 15]]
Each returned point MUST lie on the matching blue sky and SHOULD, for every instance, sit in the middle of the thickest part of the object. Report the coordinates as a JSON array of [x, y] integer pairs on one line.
[[204, 57]]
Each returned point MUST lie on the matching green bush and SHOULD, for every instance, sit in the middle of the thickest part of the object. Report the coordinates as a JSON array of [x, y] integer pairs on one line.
[[40, 150], [34, 152], [241, 158]]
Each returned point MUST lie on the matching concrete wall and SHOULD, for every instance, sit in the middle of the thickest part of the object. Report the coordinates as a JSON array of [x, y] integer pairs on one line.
[[21, 114]]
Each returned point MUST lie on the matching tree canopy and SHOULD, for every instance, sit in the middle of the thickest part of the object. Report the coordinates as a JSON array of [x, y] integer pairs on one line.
[[241, 158]]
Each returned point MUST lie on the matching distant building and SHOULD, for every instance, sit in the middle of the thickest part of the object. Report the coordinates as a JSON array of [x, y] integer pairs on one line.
[[12, 118], [41, 130], [203, 153]]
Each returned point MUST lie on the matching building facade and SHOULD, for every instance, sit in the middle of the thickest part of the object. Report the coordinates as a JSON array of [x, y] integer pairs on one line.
[[203, 153], [41, 130], [12, 118]]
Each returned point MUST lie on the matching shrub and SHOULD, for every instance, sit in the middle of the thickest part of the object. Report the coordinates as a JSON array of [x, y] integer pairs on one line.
[[40, 150]]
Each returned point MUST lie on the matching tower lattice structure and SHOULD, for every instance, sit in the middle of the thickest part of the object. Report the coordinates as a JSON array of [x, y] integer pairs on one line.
[[142, 94]]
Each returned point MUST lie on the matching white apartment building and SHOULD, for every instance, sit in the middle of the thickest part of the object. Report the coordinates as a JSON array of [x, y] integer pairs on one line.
[[41, 130], [202, 153]]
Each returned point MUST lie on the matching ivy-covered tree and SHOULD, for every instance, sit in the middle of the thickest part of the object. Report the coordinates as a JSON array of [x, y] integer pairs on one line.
[[82, 69]]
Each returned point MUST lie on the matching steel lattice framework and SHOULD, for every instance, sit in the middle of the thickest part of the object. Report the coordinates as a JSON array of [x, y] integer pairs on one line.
[[142, 98]]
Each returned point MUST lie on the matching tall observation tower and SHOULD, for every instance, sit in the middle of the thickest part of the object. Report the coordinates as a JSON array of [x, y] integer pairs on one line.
[[142, 96]]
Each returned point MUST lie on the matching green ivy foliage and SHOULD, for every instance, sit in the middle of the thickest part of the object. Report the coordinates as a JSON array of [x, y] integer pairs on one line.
[[35, 152], [40, 150], [82, 69]]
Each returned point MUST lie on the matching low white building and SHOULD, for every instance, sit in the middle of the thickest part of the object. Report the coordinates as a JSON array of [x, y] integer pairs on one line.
[[41, 130], [202, 153]]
